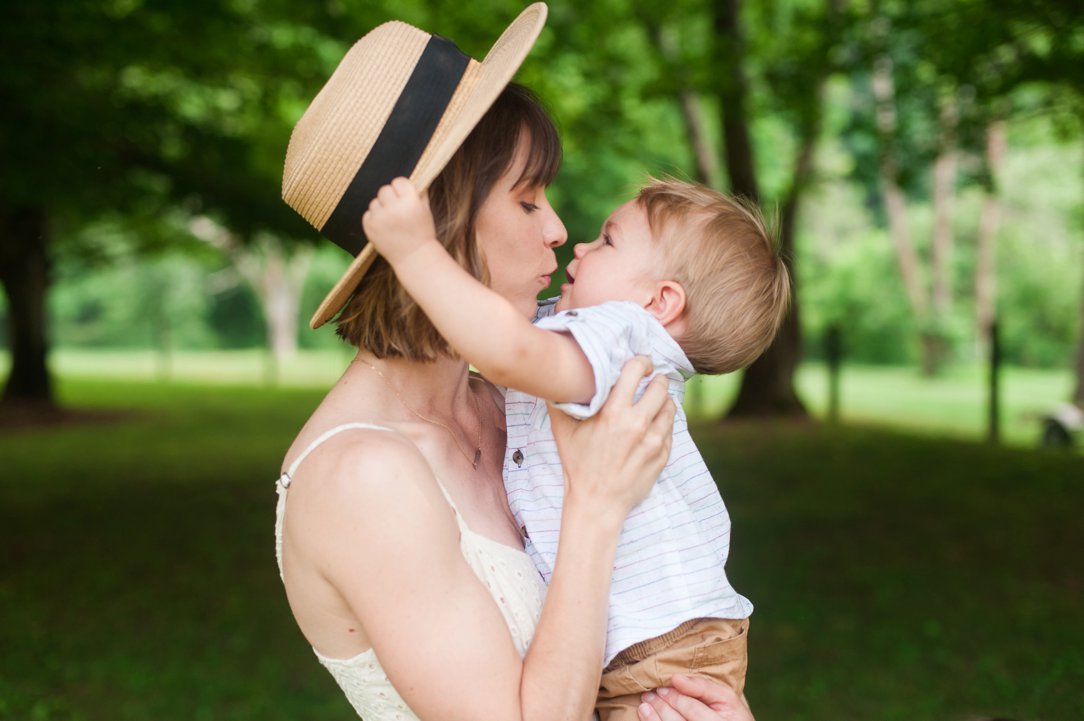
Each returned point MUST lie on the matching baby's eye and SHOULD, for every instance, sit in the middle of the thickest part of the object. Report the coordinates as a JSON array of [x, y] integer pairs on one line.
[[529, 207], [606, 239]]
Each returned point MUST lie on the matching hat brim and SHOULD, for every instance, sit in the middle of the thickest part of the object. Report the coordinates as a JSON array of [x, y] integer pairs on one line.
[[482, 83]]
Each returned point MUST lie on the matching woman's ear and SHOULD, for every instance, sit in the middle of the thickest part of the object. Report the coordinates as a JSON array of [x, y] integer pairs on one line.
[[667, 303]]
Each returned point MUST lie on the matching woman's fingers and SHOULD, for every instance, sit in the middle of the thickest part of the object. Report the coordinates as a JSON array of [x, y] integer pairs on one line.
[[656, 403], [699, 699], [709, 692], [562, 425], [615, 457], [654, 397], [657, 707], [631, 375]]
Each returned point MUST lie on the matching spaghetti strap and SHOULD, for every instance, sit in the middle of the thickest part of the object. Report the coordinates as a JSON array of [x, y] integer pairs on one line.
[[448, 497], [287, 476], [283, 483]]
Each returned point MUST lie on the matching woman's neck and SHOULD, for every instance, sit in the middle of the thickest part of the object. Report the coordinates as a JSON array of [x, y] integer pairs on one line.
[[439, 386]]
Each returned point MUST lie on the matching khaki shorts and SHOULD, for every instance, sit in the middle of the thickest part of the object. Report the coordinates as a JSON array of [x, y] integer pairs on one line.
[[714, 648]]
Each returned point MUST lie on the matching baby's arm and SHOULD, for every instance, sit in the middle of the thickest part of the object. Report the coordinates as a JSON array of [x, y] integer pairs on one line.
[[479, 324]]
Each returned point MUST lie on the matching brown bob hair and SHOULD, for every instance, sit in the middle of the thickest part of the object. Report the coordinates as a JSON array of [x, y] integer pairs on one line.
[[381, 317]]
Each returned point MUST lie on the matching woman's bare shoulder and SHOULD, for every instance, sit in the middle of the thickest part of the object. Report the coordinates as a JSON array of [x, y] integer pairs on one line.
[[364, 473]]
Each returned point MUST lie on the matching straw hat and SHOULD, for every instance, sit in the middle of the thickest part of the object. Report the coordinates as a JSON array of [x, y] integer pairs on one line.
[[400, 103]]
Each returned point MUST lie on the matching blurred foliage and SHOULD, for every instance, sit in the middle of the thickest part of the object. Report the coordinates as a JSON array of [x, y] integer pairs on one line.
[[126, 118]]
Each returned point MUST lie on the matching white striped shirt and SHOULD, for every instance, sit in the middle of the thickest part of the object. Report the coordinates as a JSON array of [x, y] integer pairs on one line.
[[673, 547]]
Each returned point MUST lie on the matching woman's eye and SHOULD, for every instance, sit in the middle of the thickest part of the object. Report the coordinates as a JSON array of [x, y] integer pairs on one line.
[[529, 207]]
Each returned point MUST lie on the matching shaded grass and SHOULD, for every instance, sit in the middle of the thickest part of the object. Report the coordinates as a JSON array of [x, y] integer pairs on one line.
[[903, 577], [895, 577]]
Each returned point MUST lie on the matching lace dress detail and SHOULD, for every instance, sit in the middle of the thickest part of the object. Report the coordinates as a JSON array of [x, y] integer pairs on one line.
[[507, 573]]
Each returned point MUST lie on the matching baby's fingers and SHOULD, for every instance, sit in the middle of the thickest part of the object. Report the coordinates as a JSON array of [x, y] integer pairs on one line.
[[404, 188]]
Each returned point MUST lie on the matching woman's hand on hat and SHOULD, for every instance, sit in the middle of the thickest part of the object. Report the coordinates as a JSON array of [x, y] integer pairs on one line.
[[694, 699], [398, 221]]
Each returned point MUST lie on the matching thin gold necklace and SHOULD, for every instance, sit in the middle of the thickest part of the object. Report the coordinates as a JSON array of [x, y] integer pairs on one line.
[[478, 446]]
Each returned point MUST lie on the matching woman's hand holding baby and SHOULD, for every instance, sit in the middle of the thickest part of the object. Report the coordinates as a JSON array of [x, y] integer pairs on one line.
[[690, 698], [398, 221], [612, 460]]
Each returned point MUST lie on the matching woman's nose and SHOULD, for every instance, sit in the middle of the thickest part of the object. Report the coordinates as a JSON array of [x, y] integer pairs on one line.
[[554, 233]]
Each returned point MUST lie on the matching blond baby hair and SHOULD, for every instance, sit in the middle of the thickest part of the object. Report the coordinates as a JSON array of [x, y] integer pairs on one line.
[[726, 257]]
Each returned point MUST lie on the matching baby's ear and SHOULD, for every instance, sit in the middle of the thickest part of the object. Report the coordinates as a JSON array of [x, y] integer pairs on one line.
[[667, 302]]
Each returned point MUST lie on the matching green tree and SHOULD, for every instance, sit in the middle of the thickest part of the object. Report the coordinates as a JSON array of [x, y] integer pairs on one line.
[[764, 69], [108, 112], [943, 79]]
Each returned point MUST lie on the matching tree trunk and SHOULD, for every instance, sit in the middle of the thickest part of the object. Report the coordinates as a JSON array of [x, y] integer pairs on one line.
[[706, 169], [944, 196], [989, 222], [767, 387], [891, 194], [24, 272], [1078, 392], [276, 275], [279, 288], [729, 59], [931, 343]]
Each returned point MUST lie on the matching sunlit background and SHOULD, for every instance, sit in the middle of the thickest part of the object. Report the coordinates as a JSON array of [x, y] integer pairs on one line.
[[905, 467]]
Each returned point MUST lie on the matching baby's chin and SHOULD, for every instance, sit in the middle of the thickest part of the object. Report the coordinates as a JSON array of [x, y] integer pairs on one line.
[[564, 301]]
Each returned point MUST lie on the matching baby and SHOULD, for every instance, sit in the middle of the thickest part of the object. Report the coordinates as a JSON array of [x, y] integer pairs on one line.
[[682, 274]]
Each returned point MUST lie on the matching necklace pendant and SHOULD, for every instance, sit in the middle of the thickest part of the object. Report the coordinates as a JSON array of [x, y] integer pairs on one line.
[[477, 457]]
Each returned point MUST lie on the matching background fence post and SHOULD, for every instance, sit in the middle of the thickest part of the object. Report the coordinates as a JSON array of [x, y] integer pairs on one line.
[[993, 432], [833, 353]]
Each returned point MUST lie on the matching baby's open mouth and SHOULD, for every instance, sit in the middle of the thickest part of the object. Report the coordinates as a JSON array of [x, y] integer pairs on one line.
[[569, 277]]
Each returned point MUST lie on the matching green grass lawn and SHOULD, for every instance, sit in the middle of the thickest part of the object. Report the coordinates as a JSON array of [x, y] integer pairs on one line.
[[894, 576], [952, 405]]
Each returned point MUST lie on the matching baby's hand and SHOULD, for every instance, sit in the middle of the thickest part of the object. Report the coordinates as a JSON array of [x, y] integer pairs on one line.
[[398, 221]]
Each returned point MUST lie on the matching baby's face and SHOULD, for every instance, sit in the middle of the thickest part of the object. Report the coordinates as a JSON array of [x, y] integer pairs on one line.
[[623, 263]]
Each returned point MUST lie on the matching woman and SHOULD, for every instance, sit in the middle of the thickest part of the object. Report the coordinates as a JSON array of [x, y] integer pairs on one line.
[[394, 536]]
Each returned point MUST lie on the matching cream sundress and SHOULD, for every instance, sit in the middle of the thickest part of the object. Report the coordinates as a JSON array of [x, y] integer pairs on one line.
[[507, 572]]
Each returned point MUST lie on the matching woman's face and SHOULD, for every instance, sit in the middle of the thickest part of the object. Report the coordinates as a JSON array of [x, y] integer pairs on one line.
[[517, 230]]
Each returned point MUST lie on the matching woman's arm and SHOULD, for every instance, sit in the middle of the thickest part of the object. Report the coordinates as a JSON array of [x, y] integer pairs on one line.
[[620, 442], [388, 542], [505, 347]]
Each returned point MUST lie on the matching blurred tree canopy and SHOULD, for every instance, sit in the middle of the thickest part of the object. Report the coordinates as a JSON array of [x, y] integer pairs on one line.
[[139, 129]]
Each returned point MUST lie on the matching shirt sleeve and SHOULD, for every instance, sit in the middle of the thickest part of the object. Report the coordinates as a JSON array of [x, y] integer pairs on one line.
[[546, 308], [609, 335]]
